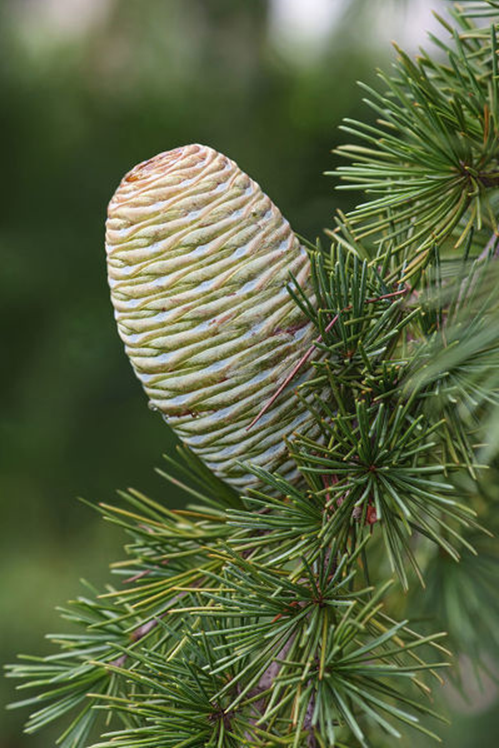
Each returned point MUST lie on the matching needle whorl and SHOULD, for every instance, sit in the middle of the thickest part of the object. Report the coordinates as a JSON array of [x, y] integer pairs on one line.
[[198, 262]]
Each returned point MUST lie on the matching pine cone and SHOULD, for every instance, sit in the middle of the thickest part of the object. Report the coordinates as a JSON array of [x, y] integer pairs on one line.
[[198, 262]]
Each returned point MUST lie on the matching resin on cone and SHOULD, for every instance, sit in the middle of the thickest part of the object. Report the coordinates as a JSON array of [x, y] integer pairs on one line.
[[198, 262]]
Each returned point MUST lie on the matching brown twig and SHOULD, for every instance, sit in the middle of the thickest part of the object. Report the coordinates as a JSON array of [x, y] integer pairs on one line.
[[296, 368], [141, 631], [266, 680], [491, 245]]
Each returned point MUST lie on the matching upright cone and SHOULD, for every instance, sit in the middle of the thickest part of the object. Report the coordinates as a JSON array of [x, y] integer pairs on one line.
[[198, 262]]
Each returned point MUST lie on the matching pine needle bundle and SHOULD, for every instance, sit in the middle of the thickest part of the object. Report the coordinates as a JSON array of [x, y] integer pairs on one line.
[[338, 404]]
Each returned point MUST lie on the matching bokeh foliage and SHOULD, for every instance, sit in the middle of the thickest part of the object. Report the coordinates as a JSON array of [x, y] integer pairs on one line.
[[78, 111]]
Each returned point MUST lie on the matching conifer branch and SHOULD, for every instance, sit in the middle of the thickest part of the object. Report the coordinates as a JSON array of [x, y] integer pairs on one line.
[[264, 617]]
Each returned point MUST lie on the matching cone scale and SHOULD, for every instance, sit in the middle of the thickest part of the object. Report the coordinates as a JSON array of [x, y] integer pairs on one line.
[[198, 262]]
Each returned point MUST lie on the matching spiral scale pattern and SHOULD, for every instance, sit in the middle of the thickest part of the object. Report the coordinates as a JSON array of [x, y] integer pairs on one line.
[[198, 262]]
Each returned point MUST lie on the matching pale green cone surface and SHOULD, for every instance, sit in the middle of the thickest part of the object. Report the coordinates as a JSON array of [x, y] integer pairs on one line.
[[198, 262]]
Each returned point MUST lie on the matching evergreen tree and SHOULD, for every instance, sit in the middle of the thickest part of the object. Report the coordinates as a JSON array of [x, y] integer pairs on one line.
[[274, 616]]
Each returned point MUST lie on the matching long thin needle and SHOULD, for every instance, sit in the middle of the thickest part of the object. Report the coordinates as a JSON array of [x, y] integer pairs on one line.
[[296, 368]]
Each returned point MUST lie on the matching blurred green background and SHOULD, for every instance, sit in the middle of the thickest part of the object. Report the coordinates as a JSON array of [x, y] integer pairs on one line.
[[89, 88]]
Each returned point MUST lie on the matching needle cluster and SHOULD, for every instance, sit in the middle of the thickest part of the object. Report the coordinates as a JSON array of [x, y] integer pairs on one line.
[[277, 617]]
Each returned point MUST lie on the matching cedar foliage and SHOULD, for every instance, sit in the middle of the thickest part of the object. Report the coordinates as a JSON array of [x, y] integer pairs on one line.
[[272, 619]]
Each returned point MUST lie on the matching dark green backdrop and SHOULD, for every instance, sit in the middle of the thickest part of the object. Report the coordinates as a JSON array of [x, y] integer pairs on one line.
[[79, 108]]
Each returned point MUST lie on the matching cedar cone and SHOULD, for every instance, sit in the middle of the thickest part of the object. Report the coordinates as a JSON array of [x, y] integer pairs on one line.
[[198, 262]]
